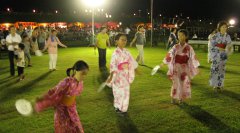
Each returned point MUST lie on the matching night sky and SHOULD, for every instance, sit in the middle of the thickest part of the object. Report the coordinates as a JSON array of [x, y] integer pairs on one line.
[[222, 9]]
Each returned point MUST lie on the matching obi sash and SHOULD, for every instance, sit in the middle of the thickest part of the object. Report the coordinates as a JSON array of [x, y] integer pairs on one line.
[[221, 45], [181, 59]]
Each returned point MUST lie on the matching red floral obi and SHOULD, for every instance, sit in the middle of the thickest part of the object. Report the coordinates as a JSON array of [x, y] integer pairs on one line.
[[181, 59], [221, 45], [122, 66]]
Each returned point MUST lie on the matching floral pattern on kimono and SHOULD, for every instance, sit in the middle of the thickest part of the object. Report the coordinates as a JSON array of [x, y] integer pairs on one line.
[[123, 66], [66, 119], [183, 66], [219, 58]]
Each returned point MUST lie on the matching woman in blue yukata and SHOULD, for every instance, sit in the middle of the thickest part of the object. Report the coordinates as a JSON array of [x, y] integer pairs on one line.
[[220, 49]]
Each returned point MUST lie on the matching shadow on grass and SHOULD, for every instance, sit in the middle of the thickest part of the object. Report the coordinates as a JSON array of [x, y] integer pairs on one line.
[[126, 125], [124, 122], [7, 79], [4, 72], [208, 91], [232, 72], [11, 92], [3, 68], [205, 67], [7, 84], [147, 66], [231, 94], [206, 118]]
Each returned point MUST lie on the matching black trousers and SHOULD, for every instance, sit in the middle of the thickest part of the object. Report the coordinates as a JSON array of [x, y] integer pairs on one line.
[[102, 57], [11, 61], [20, 70]]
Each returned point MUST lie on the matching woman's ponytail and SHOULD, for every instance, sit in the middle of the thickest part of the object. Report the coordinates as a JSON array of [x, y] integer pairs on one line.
[[69, 71], [78, 66]]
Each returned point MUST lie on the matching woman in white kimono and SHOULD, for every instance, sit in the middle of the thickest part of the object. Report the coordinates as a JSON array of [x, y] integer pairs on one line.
[[122, 73]]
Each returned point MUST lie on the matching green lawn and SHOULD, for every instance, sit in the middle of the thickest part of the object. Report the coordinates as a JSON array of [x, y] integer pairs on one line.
[[149, 111]]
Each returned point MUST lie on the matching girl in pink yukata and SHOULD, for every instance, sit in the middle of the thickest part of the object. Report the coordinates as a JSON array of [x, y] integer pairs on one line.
[[52, 46], [183, 66], [63, 99], [122, 73]]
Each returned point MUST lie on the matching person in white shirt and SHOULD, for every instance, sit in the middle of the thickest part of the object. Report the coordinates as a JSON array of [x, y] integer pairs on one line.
[[12, 41]]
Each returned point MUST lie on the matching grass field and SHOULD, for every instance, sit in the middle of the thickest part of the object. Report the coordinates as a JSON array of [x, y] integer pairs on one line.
[[150, 110]]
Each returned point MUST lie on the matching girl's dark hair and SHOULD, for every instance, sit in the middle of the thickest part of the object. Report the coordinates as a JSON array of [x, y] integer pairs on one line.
[[119, 35], [78, 66], [21, 46], [220, 24], [185, 32], [139, 27]]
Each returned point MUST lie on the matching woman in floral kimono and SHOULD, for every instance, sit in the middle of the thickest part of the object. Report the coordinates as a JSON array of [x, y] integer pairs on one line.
[[63, 99], [220, 47], [183, 66], [122, 73]]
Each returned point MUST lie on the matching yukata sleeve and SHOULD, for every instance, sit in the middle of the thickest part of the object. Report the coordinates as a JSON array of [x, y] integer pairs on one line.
[[133, 62], [169, 56], [169, 61], [133, 65], [229, 47], [193, 64], [113, 63], [214, 49], [53, 97]]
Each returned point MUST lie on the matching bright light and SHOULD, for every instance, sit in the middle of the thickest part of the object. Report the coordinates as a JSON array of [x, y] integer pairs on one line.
[[86, 10], [93, 3], [102, 10], [110, 16], [134, 14], [200, 20], [160, 15], [56, 11], [8, 9], [120, 23], [210, 23], [187, 17], [34, 10], [176, 25], [106, 16], [176, 16], [232, 21], [148, 13], [7, 25]]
